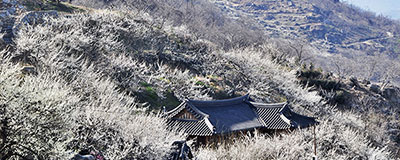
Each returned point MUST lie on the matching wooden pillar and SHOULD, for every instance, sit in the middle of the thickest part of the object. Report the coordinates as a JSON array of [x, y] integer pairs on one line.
[[315, 144]]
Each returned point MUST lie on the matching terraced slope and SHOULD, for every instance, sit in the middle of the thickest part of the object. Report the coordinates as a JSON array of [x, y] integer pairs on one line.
[[329, 25]]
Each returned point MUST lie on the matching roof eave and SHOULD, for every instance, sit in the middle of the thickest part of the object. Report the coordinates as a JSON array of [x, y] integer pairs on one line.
[[176, 110]]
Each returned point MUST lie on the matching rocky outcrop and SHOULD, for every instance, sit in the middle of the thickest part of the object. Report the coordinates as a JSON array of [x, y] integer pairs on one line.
[[13, 14], [9, 9], [35, 17], [392, 94], [32, 18], [374, 88]]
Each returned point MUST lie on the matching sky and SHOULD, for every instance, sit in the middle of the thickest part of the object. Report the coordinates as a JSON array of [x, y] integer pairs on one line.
[[390, 8]]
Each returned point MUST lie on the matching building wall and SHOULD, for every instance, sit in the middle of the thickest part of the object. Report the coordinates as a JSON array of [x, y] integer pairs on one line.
[[184, 114]]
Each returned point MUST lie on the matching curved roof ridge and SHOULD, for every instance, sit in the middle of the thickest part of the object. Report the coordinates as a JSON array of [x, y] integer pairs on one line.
[[269, 105], [235, 100], [286, 119], [221, 100], [176, 110], [286, 106], [209, 125]]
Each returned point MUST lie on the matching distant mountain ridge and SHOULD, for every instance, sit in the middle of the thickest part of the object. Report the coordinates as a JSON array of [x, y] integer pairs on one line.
[[329, 25]]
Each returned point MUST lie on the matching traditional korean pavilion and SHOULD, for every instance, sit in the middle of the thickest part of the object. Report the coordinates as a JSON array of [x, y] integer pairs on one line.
[[220, 119]]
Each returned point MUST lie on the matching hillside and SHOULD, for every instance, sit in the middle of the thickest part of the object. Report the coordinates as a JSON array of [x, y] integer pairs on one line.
[[333, 35], [332, 26], [97, 79], [337, 33]]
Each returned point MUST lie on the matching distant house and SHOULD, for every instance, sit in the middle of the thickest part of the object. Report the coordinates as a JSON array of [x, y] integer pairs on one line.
[[214, 121]]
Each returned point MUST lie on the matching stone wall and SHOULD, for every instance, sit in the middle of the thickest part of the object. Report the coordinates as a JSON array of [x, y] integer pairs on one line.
[[9, 9]]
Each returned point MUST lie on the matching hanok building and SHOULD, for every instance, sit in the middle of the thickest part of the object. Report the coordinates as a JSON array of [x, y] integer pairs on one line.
[[212, 121]]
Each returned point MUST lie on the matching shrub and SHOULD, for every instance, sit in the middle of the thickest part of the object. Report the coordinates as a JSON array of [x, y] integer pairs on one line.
[[332, 143], [98, 71], [35, 115], [45, 118]]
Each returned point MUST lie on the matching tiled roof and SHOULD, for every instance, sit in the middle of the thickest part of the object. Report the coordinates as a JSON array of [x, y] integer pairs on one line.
[[175, 111], [224, 116], [185, 105], [271, 115], [228, 115], [297, 120], [279, 116], [191, 127]]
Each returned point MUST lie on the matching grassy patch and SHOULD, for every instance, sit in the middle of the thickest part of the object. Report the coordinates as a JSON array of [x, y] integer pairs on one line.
[[280, 98], [200, 83], [170, 101], [164, 79], [148, 94], [144, 84]]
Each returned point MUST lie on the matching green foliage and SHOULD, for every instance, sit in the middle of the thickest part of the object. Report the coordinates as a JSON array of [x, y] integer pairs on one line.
[[170, 100], [200, 83], [145, 84], [280, 99], [149, 95]]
